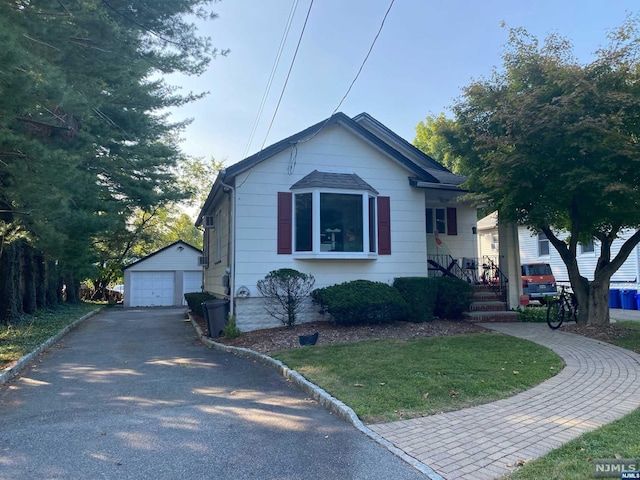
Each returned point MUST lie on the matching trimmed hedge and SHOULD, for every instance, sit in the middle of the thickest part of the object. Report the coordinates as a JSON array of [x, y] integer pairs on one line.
[[454, 297], [194, 301], [420, 293], [362, 302]]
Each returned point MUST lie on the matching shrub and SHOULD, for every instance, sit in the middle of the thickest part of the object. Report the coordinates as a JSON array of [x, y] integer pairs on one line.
[[362, 302], [194, 301], [454, 297], [420, 293], [231, 330], [532, 314], [284, 292]]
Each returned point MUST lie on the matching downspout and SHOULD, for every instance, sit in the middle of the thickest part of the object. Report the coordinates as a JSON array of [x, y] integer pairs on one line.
[[232, 245]]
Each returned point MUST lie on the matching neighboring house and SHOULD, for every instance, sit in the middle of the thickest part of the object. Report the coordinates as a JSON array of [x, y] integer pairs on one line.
[[535, 248], [345, 199], [162, 278]]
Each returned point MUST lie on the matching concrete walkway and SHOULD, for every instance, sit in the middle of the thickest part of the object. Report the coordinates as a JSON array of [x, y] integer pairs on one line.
[[599, 384]]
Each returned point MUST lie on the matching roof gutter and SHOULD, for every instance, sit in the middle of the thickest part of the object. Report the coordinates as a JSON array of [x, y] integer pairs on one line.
[[436, 186]]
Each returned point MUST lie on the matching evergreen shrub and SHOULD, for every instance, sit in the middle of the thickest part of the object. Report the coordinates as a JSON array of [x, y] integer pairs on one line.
[[362, 302], [420, 293]]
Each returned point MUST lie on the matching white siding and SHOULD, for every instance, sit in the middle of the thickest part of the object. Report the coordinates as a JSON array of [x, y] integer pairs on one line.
[[160, 278], [172, 258], [625, 277], [334, 149]]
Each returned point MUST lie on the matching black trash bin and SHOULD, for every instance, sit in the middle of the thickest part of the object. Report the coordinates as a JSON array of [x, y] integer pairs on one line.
[[215, 314]]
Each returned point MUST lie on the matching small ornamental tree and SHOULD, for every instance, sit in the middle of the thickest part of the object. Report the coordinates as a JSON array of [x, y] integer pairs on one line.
[[284, 292]]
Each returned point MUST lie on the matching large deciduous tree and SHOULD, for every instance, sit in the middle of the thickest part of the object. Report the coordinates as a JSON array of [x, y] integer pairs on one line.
[[430, 139], [554, 144]]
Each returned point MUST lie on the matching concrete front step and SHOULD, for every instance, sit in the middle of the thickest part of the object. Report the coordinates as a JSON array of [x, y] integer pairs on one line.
[[488, 316]]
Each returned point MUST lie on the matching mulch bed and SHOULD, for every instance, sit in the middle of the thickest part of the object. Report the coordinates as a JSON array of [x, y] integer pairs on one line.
[[281, 338]]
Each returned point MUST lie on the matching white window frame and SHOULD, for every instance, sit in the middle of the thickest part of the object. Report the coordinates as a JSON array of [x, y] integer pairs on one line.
[[542, 238], [494, 241], [434, 217], [316, 251], [590, 250]]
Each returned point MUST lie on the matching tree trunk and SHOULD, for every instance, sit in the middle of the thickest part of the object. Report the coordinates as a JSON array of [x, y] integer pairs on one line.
[[72, 288], [10, 307], [41, 281], [597, 304], [29, 303]]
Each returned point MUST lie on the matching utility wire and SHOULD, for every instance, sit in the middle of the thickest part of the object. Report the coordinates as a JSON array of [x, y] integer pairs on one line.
[[355, 78], [375, 39], [271, 76], [288, 75]]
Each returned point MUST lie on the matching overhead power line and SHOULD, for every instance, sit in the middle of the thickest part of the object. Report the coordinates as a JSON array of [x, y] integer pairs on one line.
[[284, 87], [276, 62]]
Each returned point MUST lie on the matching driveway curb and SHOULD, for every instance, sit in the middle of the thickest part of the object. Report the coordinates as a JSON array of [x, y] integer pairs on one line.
[[24, 361], [329, 402]]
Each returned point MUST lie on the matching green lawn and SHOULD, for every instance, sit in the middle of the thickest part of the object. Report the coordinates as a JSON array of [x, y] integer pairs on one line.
[[18, 340], [620, 439], [389, 380], [631, 341]]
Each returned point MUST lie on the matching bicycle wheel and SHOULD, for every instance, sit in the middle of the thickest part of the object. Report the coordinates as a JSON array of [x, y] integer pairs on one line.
[[555, 314]]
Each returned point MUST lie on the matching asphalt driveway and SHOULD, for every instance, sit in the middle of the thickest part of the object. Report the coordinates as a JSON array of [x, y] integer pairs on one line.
[[133, 394]]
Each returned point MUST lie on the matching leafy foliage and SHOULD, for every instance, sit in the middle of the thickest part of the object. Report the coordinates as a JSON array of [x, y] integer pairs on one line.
[[453, 298], [84, 140], [553, 145], [362, 302], [284, 292], [431, 140], [420, 293], [195, 299]]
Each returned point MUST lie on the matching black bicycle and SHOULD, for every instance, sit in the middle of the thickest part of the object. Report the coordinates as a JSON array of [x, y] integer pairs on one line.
[[562, 309]]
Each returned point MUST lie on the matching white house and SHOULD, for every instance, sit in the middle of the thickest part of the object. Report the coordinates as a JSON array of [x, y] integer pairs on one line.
[[344, 199], [537, 248], [162, 278]]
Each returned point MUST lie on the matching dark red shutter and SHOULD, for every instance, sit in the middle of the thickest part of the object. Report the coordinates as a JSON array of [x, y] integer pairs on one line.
[[452, 221], [384, 226], [285, 213]]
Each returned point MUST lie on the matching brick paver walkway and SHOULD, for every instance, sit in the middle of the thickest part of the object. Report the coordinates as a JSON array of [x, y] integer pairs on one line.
[[599, 384]]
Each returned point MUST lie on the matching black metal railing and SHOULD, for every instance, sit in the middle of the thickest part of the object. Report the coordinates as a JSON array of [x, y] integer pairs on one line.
[[493, 276], [472, 270]]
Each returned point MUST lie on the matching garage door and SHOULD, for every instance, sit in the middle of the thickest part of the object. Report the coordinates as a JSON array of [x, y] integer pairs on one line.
[[191, 282], [152, 289]]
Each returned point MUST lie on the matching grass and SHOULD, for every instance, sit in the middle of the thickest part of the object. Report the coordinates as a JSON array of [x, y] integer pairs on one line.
[[574, 460], [631, 341], [392, 380], [18, 340]]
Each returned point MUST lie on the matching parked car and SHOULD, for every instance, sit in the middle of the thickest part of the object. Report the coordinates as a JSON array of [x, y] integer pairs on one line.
[[538, 281]]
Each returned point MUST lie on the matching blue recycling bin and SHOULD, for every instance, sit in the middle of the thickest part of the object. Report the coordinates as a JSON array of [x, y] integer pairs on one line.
[[628, 299], [638, 301], [614, 298]]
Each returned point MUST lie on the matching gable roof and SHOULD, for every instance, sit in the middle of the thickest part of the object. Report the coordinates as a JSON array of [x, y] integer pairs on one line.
[[425, 170], [187, 245]]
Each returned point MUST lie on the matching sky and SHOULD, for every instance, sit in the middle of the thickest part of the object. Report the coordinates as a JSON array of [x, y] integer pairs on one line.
[[427, 51]]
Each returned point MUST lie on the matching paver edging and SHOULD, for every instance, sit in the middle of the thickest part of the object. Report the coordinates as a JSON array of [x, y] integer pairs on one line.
[[318, 394], [24, 361]]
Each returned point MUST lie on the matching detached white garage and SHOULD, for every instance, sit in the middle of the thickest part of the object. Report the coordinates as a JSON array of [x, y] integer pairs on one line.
[[162, 278]]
